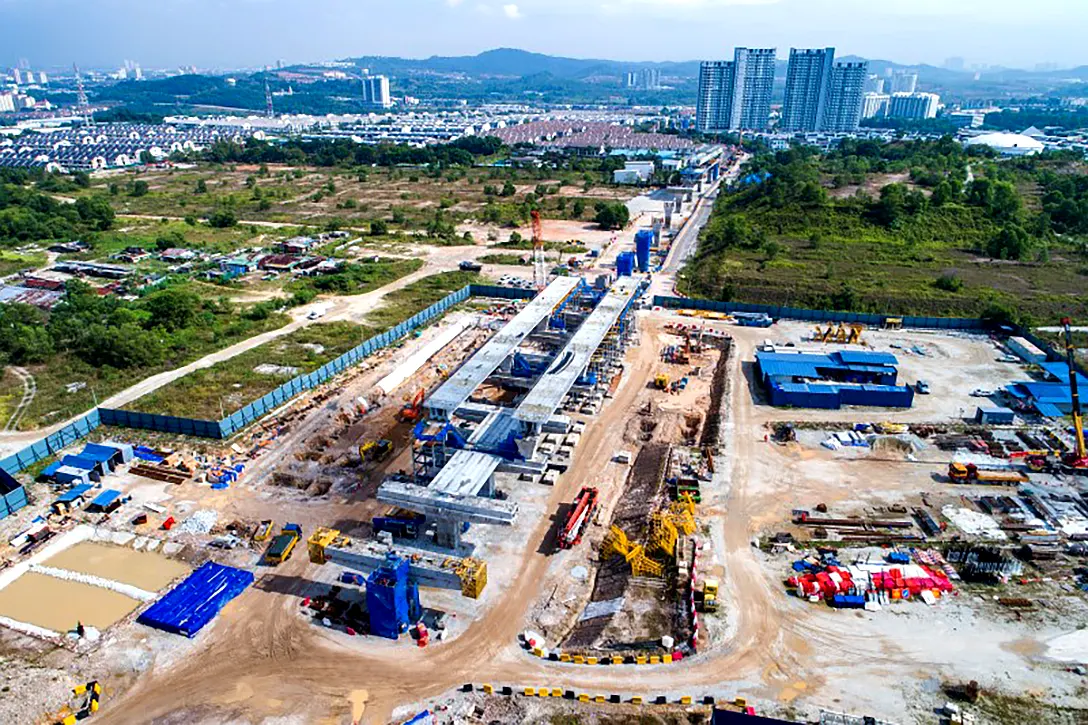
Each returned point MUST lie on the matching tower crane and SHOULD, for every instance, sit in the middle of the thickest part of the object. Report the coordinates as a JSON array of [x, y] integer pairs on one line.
[[81, 98], [268, 109], [1078, 459]]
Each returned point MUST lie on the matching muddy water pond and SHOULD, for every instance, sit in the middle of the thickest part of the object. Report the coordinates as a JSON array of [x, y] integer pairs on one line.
[[58, 604], [144, 569]]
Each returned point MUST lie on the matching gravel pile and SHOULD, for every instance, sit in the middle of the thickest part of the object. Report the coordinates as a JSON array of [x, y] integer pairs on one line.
[[201, 522]]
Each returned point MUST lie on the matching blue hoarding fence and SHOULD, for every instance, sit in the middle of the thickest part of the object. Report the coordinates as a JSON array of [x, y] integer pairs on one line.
[[69, 434], [800, 313], [51, 444]]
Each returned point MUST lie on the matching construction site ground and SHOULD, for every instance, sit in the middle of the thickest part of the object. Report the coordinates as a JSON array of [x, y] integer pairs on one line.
[[261, 661]]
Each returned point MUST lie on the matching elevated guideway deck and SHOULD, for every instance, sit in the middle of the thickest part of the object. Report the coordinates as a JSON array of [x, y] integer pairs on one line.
[[453, 393], [545, 398]]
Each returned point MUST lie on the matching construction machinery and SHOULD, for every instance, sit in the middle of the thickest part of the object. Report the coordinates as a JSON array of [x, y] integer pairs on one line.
[[616, 543], [581, 513], [264, 530], [85, 702], [661, 381], [412, 412], [376, 450], [425, 568], [709, 592], [842, 334], [284, 543], [969, 472], [1078, 458]]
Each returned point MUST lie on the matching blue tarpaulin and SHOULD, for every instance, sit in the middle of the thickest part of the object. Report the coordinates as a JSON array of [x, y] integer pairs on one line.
[[105, 499], [72, 494], [86, 464], [95, 452], [189, 606], [147, 454], [51, 469]]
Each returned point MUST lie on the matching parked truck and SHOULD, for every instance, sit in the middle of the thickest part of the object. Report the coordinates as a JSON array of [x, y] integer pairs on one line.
[[284, 543], [971, 473], [581, 512], [710, 595]]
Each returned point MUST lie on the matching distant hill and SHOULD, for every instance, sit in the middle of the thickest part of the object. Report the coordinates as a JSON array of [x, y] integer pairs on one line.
[[520, 63]]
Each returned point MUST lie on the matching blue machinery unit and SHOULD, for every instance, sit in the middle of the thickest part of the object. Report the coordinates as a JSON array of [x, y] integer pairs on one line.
[[644, 239], [392, 600]]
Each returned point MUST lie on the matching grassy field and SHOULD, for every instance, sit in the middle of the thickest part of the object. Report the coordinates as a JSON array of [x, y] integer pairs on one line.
[[223, 388], [508, 259], [146, 233], [357, 278], [796, 240], [55, 401], [404, 198], [232, 384], [11, 262]]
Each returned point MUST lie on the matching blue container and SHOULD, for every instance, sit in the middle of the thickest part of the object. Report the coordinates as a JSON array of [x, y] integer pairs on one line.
[[644, 239], [625, 264]]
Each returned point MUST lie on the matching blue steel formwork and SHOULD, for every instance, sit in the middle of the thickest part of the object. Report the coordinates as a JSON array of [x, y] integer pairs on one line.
[[51, 444], [189, 606], [800, 313]]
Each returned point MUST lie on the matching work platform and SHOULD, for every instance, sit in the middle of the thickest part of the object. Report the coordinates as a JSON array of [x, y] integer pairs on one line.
[[453, 393], [443, 505], [547, 396]]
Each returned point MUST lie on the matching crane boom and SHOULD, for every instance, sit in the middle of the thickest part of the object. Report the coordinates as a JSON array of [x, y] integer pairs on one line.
[[1078, 419]]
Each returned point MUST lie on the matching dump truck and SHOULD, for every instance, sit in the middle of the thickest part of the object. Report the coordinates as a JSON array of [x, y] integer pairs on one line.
[[284, 543], [971, 473], [661, 381], [710, 595]]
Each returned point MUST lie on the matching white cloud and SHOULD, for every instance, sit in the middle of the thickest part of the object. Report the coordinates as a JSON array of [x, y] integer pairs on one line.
[[511, 11]]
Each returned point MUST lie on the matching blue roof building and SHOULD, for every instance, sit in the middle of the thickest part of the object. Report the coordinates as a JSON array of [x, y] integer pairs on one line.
[[831, 380]]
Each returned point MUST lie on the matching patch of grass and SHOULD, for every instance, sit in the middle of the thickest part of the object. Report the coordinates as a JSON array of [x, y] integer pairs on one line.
[[1018, 709], [357, 278], [10, 262], [507, 259], [231, 384], [210, 393]]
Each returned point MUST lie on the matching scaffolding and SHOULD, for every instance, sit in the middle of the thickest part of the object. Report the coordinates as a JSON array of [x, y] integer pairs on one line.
[[616, 543]]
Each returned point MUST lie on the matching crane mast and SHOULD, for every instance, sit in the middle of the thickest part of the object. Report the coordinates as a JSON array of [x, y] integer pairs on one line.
[[1081, 459]]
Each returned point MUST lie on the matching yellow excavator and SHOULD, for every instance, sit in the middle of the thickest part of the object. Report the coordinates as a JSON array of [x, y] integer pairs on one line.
[[377, 450]]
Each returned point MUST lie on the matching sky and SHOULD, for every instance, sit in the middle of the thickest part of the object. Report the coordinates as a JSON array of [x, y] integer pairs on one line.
[[229, 34]]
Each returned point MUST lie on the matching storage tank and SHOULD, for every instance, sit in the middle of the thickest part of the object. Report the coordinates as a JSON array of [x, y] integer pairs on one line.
[[625, 264], [644, 239]]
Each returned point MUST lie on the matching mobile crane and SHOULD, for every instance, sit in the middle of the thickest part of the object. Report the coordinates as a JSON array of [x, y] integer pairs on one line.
[[1078, 458]]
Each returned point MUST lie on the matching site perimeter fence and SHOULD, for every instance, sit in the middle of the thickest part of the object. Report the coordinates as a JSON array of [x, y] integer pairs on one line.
[[220, 429], [800, 313]]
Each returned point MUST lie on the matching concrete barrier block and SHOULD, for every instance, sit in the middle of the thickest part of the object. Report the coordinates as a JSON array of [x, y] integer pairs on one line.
[[557, 692], [636, 700], [617, 660], [488, 689], [666, 659], [529, 692], [564, 658], [685, 700], [641, 660], [598, 698], [655, 660], [591, 660], [583, 697], [579, 660]]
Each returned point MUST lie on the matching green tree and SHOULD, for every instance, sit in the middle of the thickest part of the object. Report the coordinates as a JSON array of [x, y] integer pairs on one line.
[[378, 228], [1012, 242], [139, 188], [170, 240], [508, 189], [172, 309], [222, 218], [201, 187], [578, 208], [95, 211], [611, 215]]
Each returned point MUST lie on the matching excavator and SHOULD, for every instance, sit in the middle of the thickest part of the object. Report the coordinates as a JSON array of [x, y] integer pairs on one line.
[[1078, 458], [412, 412]]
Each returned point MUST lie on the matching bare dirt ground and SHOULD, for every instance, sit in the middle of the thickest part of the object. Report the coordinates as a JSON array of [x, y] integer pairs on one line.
[[261, 662]]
